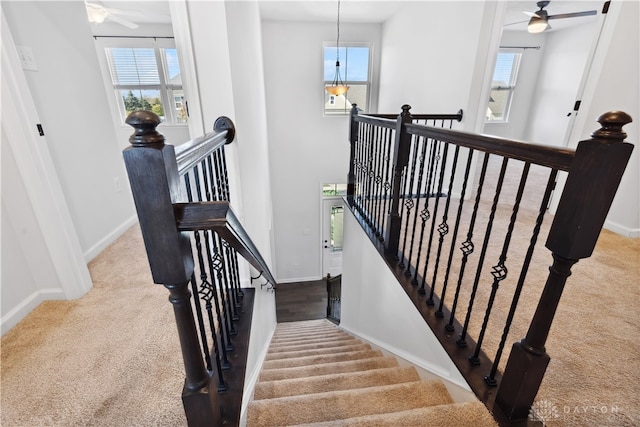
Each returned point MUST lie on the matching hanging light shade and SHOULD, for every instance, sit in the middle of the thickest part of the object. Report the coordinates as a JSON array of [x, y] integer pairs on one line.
[[539, 22], [337, 87]]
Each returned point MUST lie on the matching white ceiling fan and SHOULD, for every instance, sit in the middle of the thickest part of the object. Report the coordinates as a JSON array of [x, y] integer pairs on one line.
[[539, 20], [97, 13]]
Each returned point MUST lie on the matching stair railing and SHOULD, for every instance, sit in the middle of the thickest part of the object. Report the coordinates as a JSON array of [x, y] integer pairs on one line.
[[183, 205], [411, 187], [334, 297]]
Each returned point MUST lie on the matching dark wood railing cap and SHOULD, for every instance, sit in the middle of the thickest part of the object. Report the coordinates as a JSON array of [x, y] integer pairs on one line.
[[405, 110], [223, 123], [612, 123], [144, 123]]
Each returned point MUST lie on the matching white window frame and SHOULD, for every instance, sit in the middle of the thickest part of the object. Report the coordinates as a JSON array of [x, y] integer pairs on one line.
[[511, 87], [166, 91], [343, 68]]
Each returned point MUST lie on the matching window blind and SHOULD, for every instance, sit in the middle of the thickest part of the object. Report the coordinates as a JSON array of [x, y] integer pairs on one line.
[[133, 66]]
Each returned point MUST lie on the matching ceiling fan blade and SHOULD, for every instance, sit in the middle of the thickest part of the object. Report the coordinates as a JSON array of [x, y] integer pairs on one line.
[[574, 14], [124, 12], [515, 23], [531, 14], [122, 21]]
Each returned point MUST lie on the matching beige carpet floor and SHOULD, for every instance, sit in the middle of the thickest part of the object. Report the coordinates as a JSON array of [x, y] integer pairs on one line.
[[112, 357], [316, 375]]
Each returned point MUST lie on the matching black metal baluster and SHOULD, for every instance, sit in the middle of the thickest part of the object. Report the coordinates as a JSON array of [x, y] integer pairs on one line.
[[408, 202], [387, 177], [425, 214], [463, 335], [370, 177], [225, 175], [500, 271], [378, 181], [443, 227], [430, 192], [196, 293], [491, 378], [454, 236], [210, 290], [421, 160], [360, 167], [468, 246], [232, 271]]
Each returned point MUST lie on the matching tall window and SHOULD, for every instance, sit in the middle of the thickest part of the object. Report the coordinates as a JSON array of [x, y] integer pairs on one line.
[[355, 72], [145, 75], [503, 85]]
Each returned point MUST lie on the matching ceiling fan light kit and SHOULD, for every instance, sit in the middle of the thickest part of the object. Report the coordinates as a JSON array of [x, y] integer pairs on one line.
[[539, 21]]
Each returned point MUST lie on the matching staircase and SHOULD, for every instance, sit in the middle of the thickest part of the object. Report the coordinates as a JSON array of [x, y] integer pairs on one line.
[[315, 374]]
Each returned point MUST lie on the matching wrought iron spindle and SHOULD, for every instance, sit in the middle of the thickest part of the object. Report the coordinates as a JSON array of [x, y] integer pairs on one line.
[[454, 236], [220, 315], [443, 227], [378, 182], [468, 246], [425, 214], [225, 174], [423, 153], [196, 293], [387, 177], [491, 378], [409, 203], [360, 166], [207, 291], [463, 335], [500, 271], [234, 278], [436, 161], [370, 175]]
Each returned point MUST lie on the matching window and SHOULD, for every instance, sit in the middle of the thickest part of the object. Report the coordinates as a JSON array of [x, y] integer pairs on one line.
[[332, 190], [354, 71], [503, 85], [145, 75]]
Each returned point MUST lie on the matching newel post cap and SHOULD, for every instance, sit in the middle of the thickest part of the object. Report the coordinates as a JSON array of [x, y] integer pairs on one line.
[[144, 124], [612, 123]]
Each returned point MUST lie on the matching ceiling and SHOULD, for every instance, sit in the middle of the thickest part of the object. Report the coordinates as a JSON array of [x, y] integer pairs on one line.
[[357, 11]]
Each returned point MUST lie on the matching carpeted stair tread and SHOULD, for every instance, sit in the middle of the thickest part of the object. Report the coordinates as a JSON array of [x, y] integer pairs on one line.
[[317, 351], [334, 382], [324, 344], [343, 404], [306, 335], [322, 358], [466, 414], [310, 339], [327, 368]]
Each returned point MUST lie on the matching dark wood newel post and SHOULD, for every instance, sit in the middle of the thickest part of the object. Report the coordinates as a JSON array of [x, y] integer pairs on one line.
[[155, 186], [402, 146], [593, 179], [353, 140]]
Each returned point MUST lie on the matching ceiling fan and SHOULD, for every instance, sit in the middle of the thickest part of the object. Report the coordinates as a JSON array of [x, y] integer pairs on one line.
[[98, 14], [539, 21]]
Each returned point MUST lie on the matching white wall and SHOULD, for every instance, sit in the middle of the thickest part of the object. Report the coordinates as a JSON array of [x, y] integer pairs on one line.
[[377, 309], [613, 84], [561, 71], [69, 95], [305, 148], [526, 84], [429, 57]]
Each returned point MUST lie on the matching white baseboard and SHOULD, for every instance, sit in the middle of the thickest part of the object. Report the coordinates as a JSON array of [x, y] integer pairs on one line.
[[422, 363], [109, 238], [251, 380], [301, 279], [622, 230], [25, 307]]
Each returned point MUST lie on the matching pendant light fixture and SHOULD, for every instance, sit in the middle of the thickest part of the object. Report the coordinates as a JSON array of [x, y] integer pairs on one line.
[[337, 87]]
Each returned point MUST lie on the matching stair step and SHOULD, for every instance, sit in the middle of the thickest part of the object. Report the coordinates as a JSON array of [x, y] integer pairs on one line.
[[334, 382], [313, 345], [317, 351], [312, 338], [322, 358], [291, 335], [327, 368], [466, 414], [340, 405]]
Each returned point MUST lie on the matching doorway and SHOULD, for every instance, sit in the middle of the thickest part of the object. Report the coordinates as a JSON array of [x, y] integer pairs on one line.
[[332, 235]]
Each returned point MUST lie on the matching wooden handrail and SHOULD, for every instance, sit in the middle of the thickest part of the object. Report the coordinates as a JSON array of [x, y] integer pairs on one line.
[[191, 153], [219, 217]]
